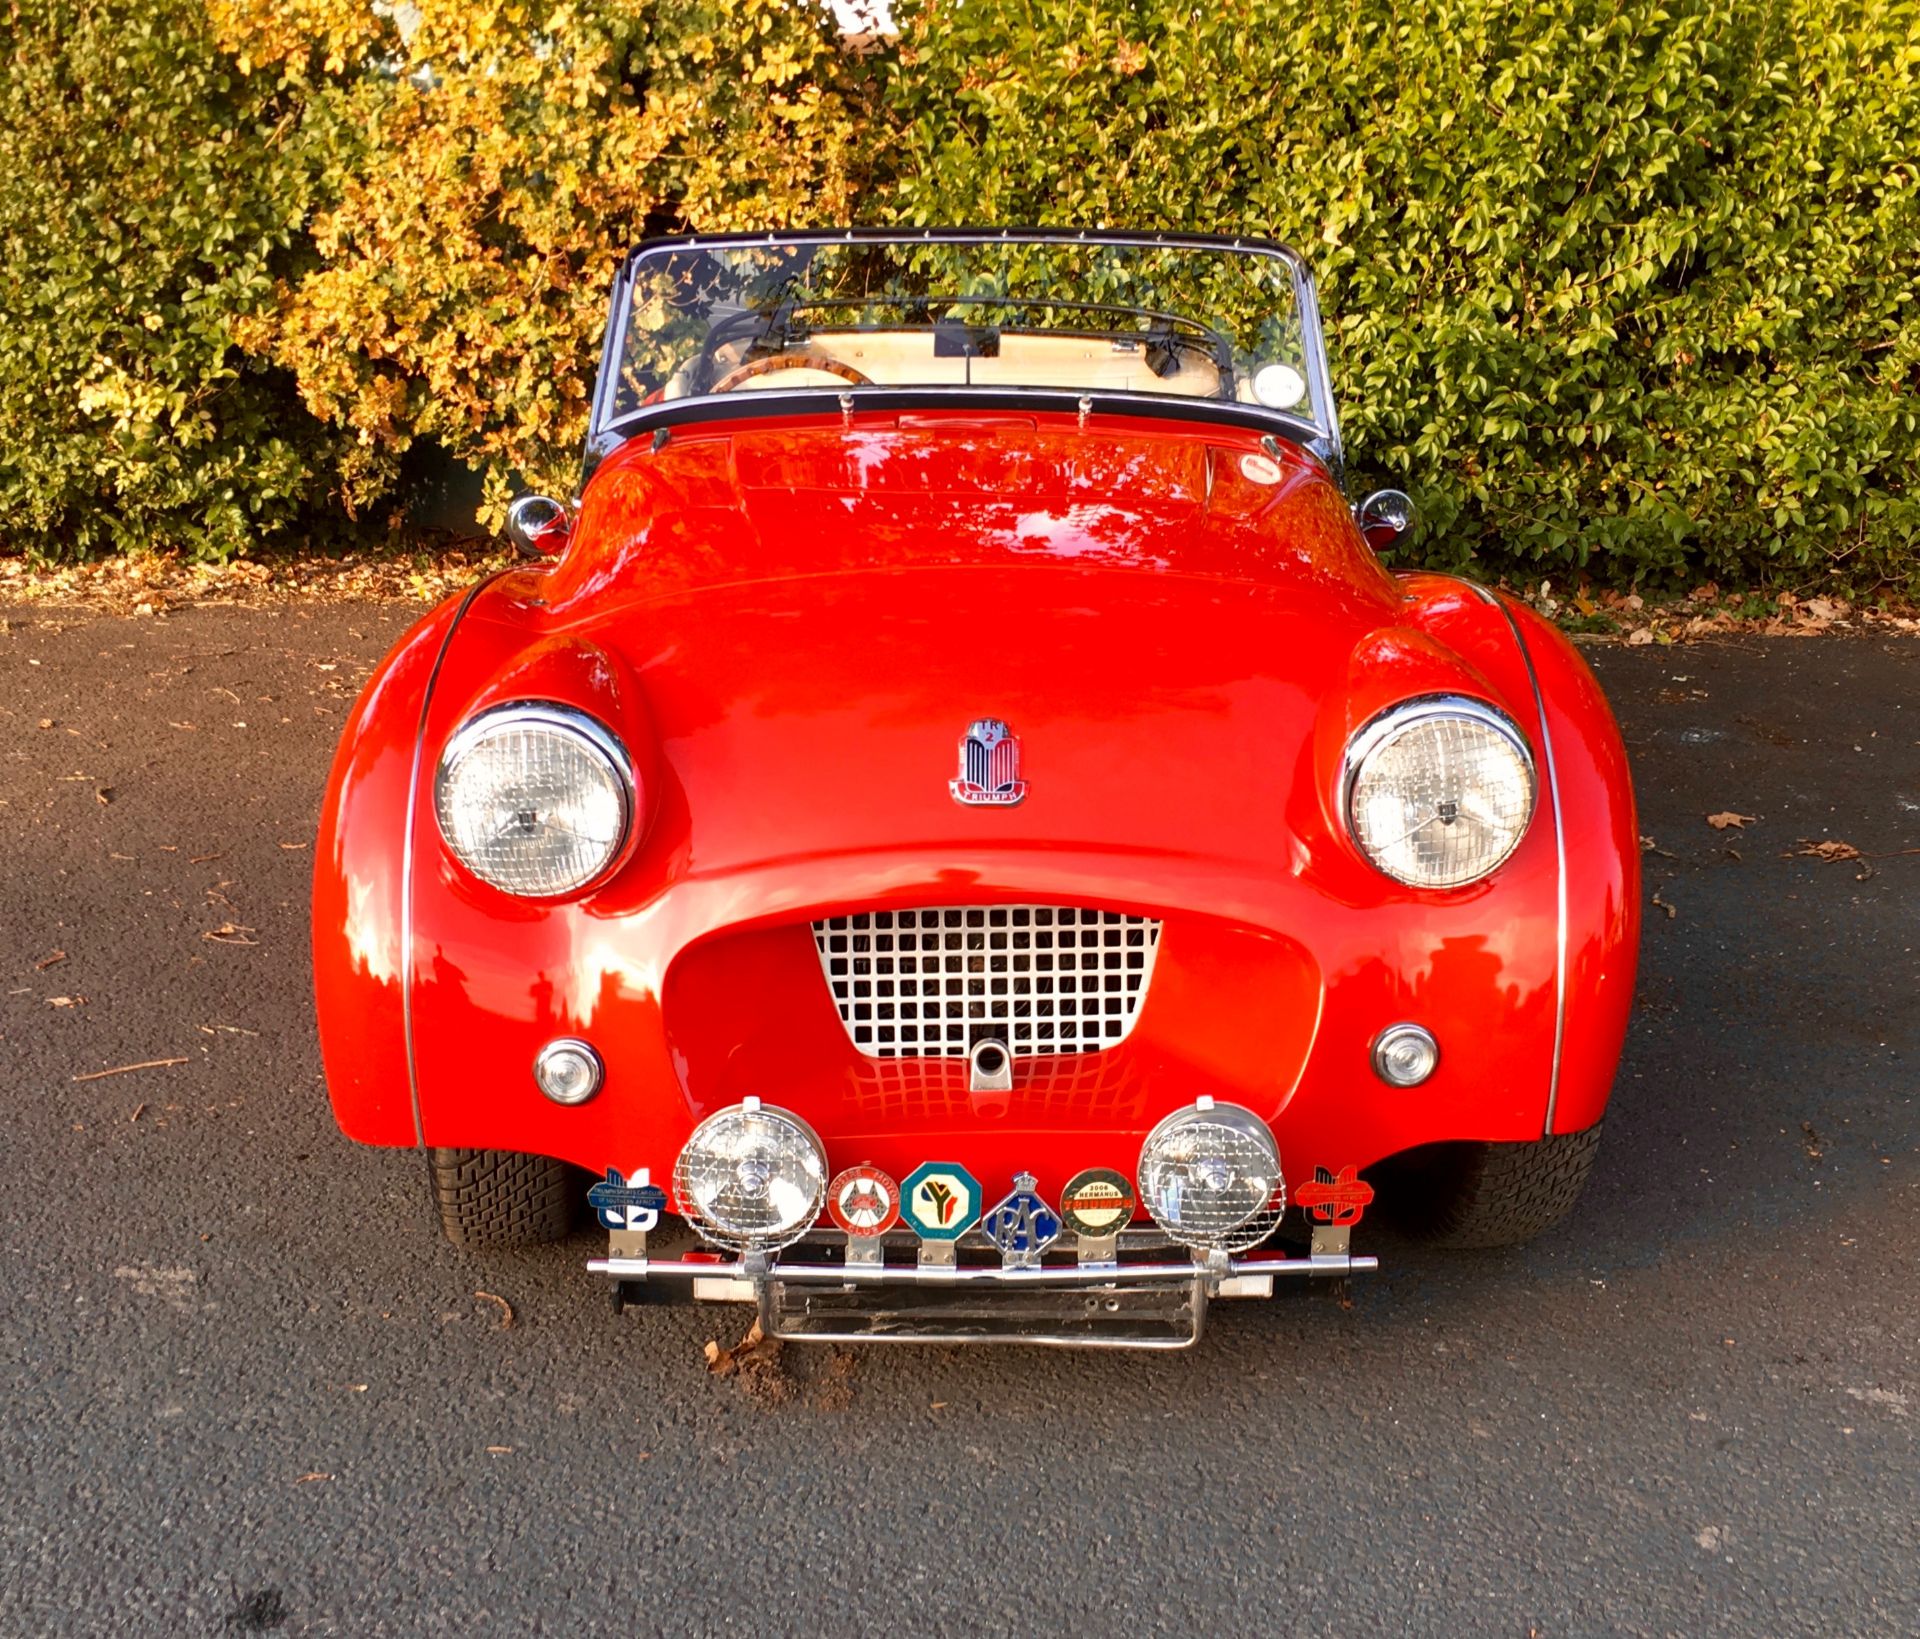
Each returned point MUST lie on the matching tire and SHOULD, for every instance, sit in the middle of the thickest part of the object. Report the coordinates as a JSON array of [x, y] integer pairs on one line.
[[499, 1198], [1472, 1196]]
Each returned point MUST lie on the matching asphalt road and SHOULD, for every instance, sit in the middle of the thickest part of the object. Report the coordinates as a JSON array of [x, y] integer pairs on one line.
[[245, 1387]]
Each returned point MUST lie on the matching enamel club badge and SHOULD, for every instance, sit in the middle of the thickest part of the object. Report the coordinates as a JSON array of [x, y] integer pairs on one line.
[[940, 1201], [1334, 1197], [1098, 1202], [1022, 1226], [864, 1201], [627, 1203]]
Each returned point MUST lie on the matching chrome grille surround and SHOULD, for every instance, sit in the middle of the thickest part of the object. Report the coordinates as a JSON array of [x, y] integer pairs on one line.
[[1043, 979]]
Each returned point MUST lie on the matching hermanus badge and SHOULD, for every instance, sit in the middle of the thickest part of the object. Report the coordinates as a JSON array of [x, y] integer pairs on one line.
[[940, 1201], [864, 1201], [1022, 1225], [1334, 1197], [630, 1203], [1098, 1203]]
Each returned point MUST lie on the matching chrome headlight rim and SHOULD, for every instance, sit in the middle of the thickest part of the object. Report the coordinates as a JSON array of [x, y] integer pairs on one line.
[[1395, 721], [554, 716], [700, 1219]]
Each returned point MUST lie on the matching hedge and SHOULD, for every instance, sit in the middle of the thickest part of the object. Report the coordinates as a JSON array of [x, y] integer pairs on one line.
[[1620, 289]]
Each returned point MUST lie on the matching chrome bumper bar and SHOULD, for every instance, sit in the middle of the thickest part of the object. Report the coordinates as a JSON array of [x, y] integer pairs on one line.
[[1151, 1304]]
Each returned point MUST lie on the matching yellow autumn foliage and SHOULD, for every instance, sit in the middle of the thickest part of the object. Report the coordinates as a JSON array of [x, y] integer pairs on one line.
[[491, 164]]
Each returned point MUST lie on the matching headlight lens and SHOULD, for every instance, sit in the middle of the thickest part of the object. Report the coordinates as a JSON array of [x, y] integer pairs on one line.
[[752, 1176], [534, 799], [1439, 791], [1210, 1175]]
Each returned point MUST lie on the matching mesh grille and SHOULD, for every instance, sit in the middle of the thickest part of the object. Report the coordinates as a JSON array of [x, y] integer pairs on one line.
[[1041, 978]]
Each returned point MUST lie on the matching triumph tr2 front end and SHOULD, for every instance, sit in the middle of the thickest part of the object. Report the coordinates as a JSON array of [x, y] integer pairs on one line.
[[954, 833]]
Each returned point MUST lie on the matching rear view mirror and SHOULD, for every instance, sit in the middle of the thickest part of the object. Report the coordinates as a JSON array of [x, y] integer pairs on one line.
[[1384, 517], [538, 526]]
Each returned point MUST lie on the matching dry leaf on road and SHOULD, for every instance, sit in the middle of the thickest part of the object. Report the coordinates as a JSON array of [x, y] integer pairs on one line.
[[1721, 822], [1810, 849]]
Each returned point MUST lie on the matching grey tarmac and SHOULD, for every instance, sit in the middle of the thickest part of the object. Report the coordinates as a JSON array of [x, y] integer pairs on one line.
[[247, 1387]]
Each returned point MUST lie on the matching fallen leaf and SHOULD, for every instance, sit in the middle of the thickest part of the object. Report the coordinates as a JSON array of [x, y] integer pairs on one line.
[[1671, 912], [46, 962], [1639, 637], [315, 1475], [1720, 822], [1809, 849], [499, 1451], [65, 1001], [506, 1309]]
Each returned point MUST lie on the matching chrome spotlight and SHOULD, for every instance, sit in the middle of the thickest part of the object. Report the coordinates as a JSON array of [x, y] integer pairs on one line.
[[1210, 1176], [752, 1177]]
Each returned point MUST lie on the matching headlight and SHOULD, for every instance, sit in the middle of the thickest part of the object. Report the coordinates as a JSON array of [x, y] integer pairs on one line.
[[534, 799], [752, 1176], [1438, 791], [1210, 1175]]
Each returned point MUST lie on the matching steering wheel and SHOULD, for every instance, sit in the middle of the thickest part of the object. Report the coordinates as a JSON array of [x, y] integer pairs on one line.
[[818, 362]]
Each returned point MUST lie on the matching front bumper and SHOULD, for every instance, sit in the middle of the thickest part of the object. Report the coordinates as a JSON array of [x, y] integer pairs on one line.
[[1136, 1300]]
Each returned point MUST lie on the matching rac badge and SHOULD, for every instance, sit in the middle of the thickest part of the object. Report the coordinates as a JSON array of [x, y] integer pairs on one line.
[[940, 1201], [1335, 1197], [989, 766], [1022, 1226], [864, 1201], [1097, 1203], [627, 1203]]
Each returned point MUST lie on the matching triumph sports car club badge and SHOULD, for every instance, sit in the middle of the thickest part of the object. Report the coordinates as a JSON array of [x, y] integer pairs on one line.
[[630, 1203], [989, 766]]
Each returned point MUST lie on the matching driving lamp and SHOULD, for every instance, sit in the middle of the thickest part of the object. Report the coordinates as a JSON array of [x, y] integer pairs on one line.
[[534, 799], [1438, 792], [752, 1177], [1210, 1176]]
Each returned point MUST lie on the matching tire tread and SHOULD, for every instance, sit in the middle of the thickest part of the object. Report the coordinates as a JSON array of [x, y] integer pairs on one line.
[[1481, 1195], [501, 1198]]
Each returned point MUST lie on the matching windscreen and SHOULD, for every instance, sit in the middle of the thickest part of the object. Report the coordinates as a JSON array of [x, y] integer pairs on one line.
[[996, 314]]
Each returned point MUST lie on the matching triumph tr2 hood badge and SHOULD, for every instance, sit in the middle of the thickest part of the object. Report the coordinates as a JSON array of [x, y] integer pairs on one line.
[[989, 766]]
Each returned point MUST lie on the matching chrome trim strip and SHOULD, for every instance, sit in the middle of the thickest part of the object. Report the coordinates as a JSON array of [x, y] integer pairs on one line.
[[1560, 852], [971, 1274], [406, 850]]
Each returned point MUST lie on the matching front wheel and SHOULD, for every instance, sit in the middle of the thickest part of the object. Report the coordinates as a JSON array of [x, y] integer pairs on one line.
[[1474, 1195], [498, 1198]]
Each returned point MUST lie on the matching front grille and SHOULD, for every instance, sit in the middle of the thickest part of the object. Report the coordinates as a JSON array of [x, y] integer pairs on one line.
[[1040, 978]]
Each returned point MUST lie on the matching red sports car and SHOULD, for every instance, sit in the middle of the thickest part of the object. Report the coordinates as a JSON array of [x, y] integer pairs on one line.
[[957, 813]]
